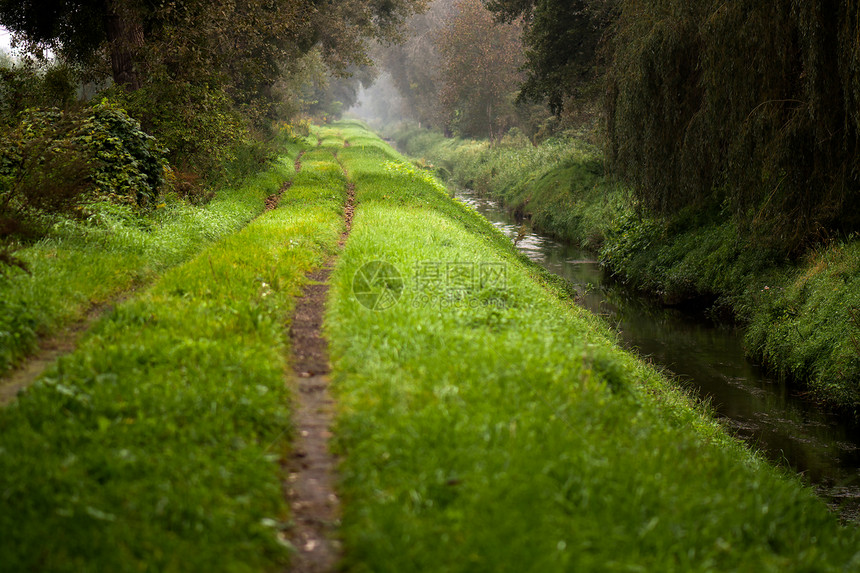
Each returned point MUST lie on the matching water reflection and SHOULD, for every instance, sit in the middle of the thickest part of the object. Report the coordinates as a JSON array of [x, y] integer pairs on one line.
[[708, 359]]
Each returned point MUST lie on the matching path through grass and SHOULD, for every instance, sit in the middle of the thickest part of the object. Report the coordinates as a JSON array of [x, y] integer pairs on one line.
[[488, 424], [485, 422], [80, 265], [156, 445]]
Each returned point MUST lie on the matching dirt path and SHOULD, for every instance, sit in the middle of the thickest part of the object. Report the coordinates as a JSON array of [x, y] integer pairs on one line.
[[310, 485], [50, 349], [311, 469], [275, 198]]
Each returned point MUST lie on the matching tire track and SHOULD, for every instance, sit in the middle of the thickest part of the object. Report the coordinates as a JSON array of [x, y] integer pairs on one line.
[[52, 347], [312, 469]]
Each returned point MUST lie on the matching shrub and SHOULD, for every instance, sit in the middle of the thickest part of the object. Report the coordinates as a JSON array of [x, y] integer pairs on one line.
[[198, 125], [52, 160], [130, 164], [42, 172], [123, 163]]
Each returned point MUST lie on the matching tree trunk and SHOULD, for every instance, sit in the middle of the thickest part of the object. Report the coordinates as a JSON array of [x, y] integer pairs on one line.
[[125, 34]]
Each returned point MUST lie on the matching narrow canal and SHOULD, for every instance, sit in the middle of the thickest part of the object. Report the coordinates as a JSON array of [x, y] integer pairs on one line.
[[708, 360]]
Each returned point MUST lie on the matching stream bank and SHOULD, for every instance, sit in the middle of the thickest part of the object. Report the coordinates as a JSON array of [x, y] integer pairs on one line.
[[707, 359], [490, 424], [801, 315]]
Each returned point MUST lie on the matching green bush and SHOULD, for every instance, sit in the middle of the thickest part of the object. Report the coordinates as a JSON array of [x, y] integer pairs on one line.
[[124, 164], [53, 161], [199, 126], [130, 164]]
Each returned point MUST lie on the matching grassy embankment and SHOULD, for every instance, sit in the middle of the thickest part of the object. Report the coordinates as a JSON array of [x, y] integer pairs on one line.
[[155, 445], [81, 264], [490, 425], [803, 316]]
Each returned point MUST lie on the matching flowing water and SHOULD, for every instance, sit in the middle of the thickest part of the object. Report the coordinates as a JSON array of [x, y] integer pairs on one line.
[[708, 360]]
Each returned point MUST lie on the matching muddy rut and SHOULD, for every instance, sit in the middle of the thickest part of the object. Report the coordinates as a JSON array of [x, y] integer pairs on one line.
[[311, 468]]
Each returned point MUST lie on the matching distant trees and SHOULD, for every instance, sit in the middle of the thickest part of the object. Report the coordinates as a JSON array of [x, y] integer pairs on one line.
[[479, 70], [458, 69], [463, 54], [562, 40], [414, 65]]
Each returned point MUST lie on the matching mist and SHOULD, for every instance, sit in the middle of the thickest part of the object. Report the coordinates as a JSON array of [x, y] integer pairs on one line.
[[380, 105]]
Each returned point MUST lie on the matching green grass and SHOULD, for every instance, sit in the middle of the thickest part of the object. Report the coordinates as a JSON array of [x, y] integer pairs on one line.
[[155, 446], [496, 427], [803, 326], [489, 427], [82, 264], [807, 326], [559, 184]]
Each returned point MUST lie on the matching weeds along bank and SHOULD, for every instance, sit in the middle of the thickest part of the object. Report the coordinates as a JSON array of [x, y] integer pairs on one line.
[[155, 445], [487, 424], [114, 247], [803, 315]]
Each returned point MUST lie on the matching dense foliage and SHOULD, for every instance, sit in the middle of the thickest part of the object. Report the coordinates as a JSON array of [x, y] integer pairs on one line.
[[52, 158], [202, 76], [561, 39], [53, 163], [751, 104], [478, 68]]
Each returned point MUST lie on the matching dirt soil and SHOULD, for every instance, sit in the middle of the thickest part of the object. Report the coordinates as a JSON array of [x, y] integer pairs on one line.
[[311, 469], [50, 349], [311, 478]]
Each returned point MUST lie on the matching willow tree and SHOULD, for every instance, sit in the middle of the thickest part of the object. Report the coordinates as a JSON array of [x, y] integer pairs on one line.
[[747, 104]]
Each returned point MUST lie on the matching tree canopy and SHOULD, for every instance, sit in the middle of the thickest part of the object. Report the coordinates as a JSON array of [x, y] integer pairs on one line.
[[199, 74], [561, 39]]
